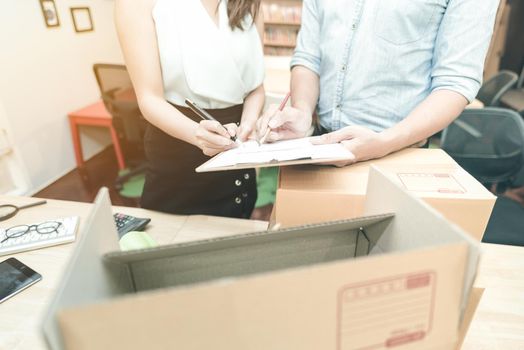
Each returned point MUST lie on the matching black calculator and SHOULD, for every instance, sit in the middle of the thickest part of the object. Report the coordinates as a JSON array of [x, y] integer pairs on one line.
[[127, 223]]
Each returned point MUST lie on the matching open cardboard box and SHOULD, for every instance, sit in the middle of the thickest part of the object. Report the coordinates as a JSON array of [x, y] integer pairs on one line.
[[325, 193], [401, 277]]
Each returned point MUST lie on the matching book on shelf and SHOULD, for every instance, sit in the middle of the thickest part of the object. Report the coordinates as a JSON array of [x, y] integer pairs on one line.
[[282, 20], [276, 13]]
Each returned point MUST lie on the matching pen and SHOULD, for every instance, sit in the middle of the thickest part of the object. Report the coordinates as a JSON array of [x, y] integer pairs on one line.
[[280, 108], [205, 115]]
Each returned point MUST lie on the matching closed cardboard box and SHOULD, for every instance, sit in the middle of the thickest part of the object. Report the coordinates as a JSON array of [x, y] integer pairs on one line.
[[398, 277], [313, 194]]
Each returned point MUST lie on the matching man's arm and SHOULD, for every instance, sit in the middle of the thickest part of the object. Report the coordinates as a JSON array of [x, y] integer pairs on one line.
[[436, 112], [295, 121], [305, 90]]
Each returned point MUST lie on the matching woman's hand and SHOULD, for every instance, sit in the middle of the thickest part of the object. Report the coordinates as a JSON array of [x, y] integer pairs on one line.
[[213, 138]]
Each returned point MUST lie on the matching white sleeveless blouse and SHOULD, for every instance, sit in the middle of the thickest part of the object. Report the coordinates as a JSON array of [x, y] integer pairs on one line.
[[212, 65]]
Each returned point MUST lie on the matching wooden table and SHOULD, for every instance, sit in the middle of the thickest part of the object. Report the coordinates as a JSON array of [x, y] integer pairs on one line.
[[498, 323]]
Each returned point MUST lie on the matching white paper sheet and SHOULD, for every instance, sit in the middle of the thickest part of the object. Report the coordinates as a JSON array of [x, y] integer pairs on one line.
[[251, 152]]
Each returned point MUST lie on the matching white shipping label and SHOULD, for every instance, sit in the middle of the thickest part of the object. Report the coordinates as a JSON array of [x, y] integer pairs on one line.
[[431, 182], [385, 313]]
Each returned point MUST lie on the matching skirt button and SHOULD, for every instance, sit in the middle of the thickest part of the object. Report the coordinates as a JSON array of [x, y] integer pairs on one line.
[[238, 200]]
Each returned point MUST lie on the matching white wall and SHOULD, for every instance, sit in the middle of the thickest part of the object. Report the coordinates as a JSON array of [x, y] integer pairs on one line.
[[13, 177], [46, 73]]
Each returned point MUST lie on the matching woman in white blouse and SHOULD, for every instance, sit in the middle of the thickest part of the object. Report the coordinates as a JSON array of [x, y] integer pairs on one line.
[[209, 51]]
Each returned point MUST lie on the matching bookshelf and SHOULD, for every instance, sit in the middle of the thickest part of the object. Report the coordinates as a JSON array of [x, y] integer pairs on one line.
[[282, 20]]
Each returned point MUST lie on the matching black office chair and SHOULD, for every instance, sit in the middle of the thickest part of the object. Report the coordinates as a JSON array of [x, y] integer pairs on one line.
[[120, 100], [514, 99], [488, 143], [506, 224], [493, 89]]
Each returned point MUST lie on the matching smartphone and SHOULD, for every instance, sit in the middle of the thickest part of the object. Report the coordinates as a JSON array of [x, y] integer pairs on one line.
[[15, 276]]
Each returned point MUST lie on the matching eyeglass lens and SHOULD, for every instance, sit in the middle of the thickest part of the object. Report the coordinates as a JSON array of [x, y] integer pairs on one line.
[[17, 231], [48, 227]]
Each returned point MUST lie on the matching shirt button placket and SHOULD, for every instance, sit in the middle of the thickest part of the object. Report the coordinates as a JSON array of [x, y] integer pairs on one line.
[[339, 98], [337, 114]]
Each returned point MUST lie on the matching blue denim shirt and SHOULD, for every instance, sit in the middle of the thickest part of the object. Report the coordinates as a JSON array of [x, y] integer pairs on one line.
[[378, 59]]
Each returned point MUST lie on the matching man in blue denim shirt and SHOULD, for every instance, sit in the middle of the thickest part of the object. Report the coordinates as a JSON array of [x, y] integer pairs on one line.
[[383, 75]]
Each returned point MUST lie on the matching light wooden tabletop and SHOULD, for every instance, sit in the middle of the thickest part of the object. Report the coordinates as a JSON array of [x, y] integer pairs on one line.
[[498, 323]]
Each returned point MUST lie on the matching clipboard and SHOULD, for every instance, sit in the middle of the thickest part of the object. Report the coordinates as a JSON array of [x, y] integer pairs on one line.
[[290, 152]]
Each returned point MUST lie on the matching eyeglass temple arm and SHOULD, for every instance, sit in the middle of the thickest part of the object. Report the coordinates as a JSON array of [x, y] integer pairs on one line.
[[32, 204]]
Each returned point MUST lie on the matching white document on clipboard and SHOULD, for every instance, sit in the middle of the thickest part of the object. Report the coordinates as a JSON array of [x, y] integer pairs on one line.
[[299, 151]]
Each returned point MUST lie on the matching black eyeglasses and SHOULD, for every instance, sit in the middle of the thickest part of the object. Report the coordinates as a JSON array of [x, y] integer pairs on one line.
[[44, 228]]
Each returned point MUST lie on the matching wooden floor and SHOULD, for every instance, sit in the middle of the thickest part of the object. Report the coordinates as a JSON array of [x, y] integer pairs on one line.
[[82, 186]]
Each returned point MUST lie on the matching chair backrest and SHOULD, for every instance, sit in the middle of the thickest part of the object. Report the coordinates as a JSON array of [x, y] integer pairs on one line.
[[493, 89], [120, 100], [112, 78], [488, 143], [520, 83]]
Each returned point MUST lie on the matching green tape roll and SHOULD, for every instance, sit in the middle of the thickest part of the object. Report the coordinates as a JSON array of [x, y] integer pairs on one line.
[[136, 240]]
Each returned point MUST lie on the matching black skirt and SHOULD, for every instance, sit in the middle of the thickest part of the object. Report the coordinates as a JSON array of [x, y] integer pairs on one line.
[[173, 186]]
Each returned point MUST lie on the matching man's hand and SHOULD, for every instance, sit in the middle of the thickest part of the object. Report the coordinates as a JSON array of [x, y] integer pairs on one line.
[[290, 123], [212, 138], [364, 143]]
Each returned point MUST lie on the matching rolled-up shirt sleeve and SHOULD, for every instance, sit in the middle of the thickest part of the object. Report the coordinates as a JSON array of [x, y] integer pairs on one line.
[[307, 51], [461, 46]]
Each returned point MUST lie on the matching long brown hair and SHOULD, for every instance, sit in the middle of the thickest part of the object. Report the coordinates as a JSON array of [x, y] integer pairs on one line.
[[238, 9]]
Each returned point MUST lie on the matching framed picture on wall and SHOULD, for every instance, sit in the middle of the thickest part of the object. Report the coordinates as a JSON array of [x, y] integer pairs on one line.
[[82, 19], [50, 14]]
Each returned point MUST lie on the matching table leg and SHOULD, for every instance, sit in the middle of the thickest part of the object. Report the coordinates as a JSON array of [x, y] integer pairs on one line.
[[118, 149], [76, 143]]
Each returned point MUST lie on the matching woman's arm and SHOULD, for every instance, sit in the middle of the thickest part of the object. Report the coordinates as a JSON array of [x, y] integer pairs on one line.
[[254, 102], [136, 31]]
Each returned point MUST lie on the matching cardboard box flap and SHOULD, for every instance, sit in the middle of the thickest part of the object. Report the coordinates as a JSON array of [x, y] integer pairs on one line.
[[351, 304], [248, 254], [86, 279], [471, 308], [414, 215]]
